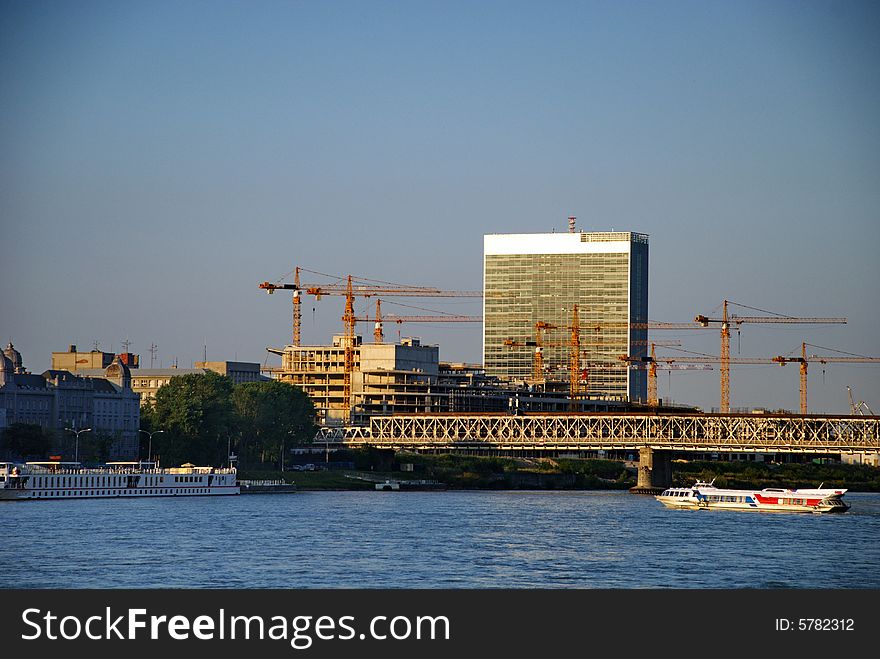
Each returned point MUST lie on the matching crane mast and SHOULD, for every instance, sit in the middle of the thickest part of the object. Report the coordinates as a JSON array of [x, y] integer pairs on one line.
[[653, 399], [575, 369], [538, 364], [725, 361], [297, 310], [727, 320], [348, 366], [351, 290], [804, 361], [378, 336]]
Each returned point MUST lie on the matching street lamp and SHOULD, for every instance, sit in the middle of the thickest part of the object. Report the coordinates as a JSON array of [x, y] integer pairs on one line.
[[76, 444], [150, 449]]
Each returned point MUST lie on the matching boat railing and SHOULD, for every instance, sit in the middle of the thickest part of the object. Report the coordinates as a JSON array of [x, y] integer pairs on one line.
[[40, 470], [251, 483]]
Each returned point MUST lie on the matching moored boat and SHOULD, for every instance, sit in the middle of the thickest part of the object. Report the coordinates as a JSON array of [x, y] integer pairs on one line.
[[705, 496], [70, 480]]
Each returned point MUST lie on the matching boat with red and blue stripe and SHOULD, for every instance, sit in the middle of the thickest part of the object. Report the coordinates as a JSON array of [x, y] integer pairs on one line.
[[705, 496]]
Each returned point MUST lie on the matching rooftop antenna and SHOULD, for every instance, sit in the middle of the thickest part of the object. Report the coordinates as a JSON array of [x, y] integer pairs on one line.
[[205, 353], [95, 343], [153, 350], [126, 344], [571, 223]]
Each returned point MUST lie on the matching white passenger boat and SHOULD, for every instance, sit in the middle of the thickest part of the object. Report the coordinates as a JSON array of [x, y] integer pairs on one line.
[[705, 496], [70, 480]]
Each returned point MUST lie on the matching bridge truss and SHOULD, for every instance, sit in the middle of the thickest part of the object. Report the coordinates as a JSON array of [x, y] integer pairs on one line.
[[764, 433]]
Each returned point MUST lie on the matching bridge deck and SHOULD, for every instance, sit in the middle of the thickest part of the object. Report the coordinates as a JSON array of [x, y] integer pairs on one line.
[[686, 432]]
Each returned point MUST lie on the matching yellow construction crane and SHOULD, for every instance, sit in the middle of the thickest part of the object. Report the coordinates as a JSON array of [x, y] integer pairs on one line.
[[379, 336], [364, 288], [574, 345], [803, 360], [651, 363], [578, 378], [574, 370], [652, 360], [727, 320]]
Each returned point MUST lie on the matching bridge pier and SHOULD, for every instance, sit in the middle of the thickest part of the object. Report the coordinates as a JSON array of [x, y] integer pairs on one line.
[[655, 471]]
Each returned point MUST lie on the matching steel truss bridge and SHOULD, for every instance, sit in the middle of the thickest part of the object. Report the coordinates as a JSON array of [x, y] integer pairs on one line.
[[760, 433]]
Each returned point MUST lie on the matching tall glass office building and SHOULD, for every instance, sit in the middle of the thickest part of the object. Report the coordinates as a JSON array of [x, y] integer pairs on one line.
[[531, 278]]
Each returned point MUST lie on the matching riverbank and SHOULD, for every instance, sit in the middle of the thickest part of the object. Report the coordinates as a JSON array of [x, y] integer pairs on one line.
[[455, 472]]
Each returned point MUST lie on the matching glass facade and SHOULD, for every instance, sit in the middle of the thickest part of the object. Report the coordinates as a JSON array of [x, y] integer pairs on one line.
[[539, 278]]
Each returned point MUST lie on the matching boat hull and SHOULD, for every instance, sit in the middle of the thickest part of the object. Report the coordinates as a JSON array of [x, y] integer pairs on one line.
[[757, 507], [705, 496], [45, 481]]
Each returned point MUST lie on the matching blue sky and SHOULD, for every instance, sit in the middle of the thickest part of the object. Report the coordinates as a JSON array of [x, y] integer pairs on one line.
[[159, 159]]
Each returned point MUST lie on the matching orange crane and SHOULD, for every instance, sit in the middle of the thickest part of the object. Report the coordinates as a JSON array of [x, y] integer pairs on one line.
[[638, 362], [378, 334], [364, 288], [574, 345], [727, 320], [577, 377], [803, 360], [653, 399], [574, 369], [297, 301], [653, 360]]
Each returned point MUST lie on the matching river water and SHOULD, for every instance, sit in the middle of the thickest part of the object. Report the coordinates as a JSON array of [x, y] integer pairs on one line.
[[431, 540]]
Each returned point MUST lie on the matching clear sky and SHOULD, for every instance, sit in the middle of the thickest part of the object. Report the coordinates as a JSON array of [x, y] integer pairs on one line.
[[160, 159]]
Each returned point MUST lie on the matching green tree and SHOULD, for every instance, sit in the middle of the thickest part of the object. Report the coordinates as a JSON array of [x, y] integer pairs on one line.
[[195, 412], [272, 417], [26, 440], [95, 447]]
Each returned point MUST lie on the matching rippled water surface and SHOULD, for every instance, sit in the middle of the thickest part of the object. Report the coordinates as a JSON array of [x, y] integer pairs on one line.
[[432, 540]]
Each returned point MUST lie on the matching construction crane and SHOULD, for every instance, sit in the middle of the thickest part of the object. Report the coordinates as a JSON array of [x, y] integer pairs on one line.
[[653, 398], [860, 407], [574, 370], [803, 360], [577, 376], [350, 291], [727, 320], [574, 346], [366, 289], [652, 361], [297, 310], [378, 334]]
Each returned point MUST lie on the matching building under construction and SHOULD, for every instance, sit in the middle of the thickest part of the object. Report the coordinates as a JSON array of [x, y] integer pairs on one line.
[[406, 378]]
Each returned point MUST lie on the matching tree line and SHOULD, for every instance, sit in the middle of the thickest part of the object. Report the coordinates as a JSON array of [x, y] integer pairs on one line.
[[205, 417], [30, 441], [202, 418]]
